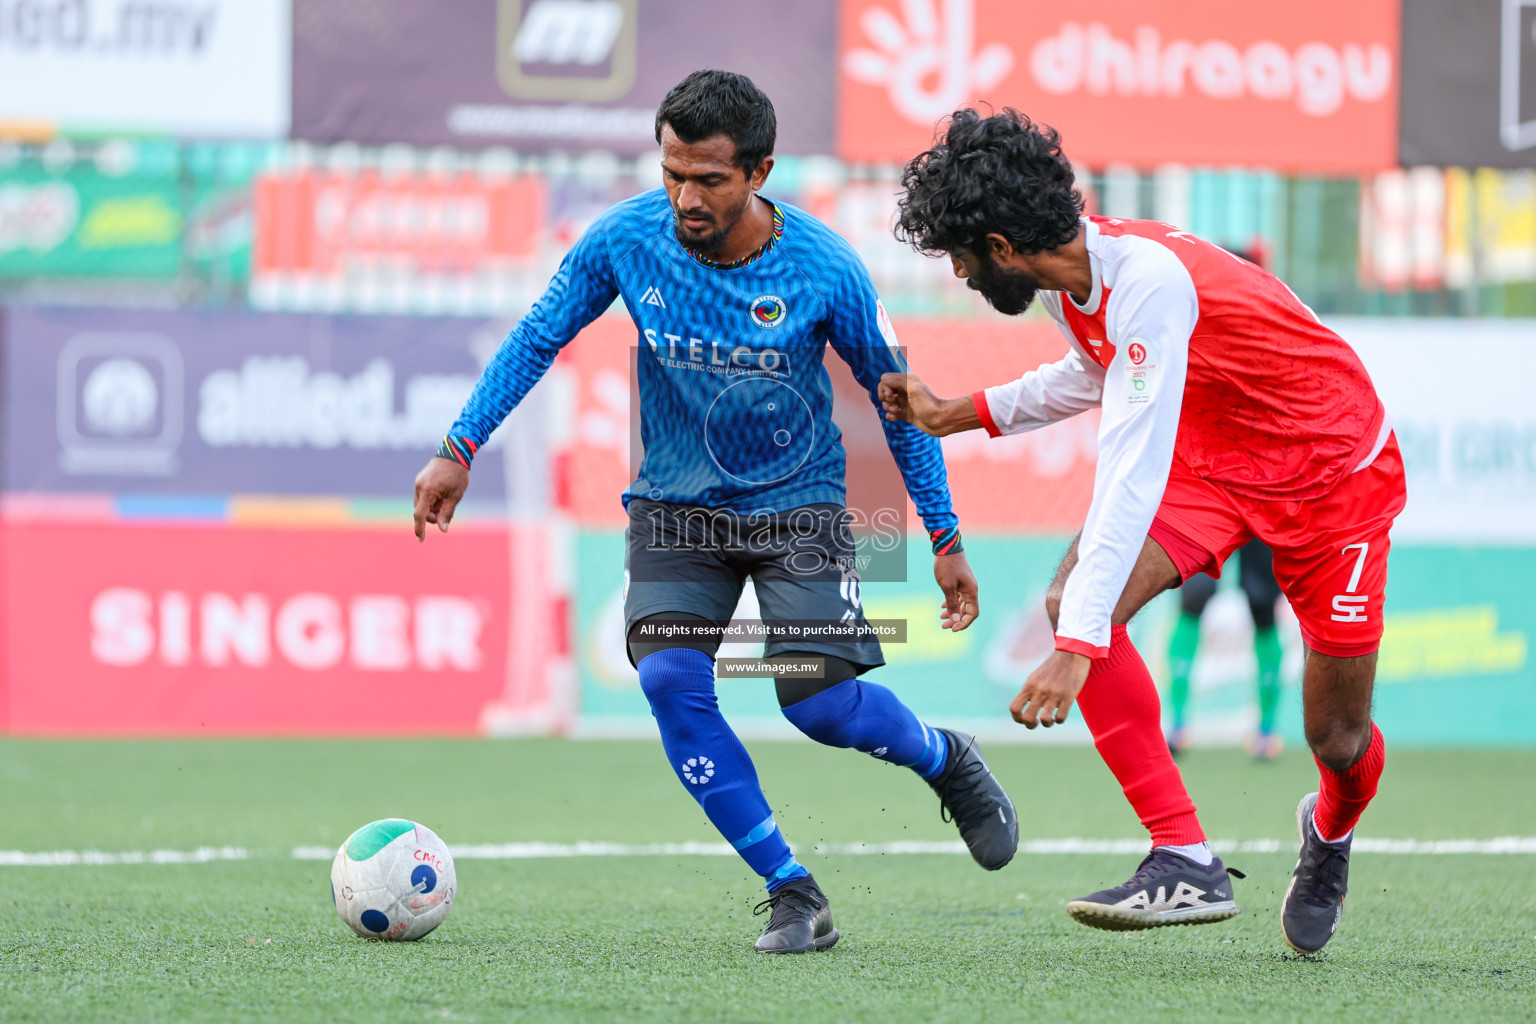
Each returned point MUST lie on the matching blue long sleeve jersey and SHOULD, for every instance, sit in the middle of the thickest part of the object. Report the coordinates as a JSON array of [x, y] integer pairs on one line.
[[735, 403]]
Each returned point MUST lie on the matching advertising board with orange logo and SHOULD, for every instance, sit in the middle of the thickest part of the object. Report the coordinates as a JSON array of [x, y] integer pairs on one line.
[[1130, 82]]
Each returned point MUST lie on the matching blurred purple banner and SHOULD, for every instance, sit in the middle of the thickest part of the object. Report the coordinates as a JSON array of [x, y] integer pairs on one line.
[[549, 74], [179, 403]]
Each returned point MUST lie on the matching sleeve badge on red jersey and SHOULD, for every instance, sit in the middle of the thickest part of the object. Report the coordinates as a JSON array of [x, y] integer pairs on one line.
[[1141, 371]]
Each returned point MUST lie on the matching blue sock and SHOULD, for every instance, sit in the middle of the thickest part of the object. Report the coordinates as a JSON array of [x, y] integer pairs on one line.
[[868, 717], [711, 762]]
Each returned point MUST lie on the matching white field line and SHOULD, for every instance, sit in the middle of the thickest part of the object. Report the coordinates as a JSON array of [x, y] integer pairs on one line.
[[93, 858], [548, 851]]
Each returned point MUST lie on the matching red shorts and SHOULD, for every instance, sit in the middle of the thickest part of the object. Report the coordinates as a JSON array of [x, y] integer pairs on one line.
[[1330, 552]]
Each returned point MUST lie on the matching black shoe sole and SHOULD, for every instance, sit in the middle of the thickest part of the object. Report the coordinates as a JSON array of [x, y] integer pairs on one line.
[[826, 941]]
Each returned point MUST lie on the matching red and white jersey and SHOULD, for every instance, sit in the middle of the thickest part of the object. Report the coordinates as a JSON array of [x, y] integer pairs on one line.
[[1196, 354]]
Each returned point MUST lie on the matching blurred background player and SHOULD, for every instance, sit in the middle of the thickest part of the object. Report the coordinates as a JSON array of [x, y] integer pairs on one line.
[[1256, 575], [736, 298]]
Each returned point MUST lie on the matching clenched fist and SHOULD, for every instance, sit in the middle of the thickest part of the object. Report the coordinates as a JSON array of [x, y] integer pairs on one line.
[[905, 398]]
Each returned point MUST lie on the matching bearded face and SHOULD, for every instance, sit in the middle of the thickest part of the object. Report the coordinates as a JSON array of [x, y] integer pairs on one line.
[[1007, 290]]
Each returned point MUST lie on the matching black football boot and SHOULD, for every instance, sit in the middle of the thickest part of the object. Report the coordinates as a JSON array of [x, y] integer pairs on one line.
[[974, 800], [1315, 900], [801, 920]]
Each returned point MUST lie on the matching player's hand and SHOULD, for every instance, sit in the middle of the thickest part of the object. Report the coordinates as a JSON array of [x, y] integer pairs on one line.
[[1050, 690], [961, 605], [439, 487], [906, 398]]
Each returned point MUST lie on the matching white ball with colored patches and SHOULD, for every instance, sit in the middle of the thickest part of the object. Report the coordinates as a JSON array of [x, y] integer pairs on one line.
[[393, 880]]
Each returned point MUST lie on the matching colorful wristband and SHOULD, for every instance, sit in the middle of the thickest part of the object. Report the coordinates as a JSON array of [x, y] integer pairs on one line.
[[946, 542], [459, 449]]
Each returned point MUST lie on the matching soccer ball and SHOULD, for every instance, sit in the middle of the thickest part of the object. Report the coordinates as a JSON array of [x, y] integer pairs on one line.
[[393, 880]]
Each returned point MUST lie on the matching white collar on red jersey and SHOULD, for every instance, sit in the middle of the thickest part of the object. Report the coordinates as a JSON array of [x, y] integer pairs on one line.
[[1096, 266]]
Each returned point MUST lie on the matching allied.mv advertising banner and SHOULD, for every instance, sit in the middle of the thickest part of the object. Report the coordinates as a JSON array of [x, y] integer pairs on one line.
[[203, 403]]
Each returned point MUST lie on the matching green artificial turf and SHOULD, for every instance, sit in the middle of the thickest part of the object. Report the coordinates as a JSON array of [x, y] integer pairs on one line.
[[929, 937]]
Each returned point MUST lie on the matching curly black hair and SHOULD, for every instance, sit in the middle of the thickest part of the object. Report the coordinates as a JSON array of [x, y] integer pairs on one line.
[[709, 103], [1001, 174]]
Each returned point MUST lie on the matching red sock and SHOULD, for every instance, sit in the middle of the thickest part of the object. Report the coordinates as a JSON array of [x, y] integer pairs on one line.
[[1343, 796], [1119, 703]]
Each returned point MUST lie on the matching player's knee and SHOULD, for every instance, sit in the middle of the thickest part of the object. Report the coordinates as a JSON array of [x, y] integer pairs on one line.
[[673, 671], [1338, 745], [667, 631], [825, 729], [795, 686], [825, 715]]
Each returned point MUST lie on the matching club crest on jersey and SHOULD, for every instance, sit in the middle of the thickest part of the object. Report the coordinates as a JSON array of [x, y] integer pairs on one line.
[[768, 311]]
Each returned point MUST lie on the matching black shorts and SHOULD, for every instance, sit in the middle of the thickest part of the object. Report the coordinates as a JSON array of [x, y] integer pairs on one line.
[[1256, 573], [694, 560]]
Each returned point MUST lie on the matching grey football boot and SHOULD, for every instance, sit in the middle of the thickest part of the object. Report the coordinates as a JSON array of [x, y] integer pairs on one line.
[[1314, 902], [1166, 889]]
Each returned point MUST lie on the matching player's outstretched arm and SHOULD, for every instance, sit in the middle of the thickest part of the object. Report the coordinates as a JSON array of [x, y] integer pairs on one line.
[[581, 289], [906, 399], [862, 334], [439, 488]]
